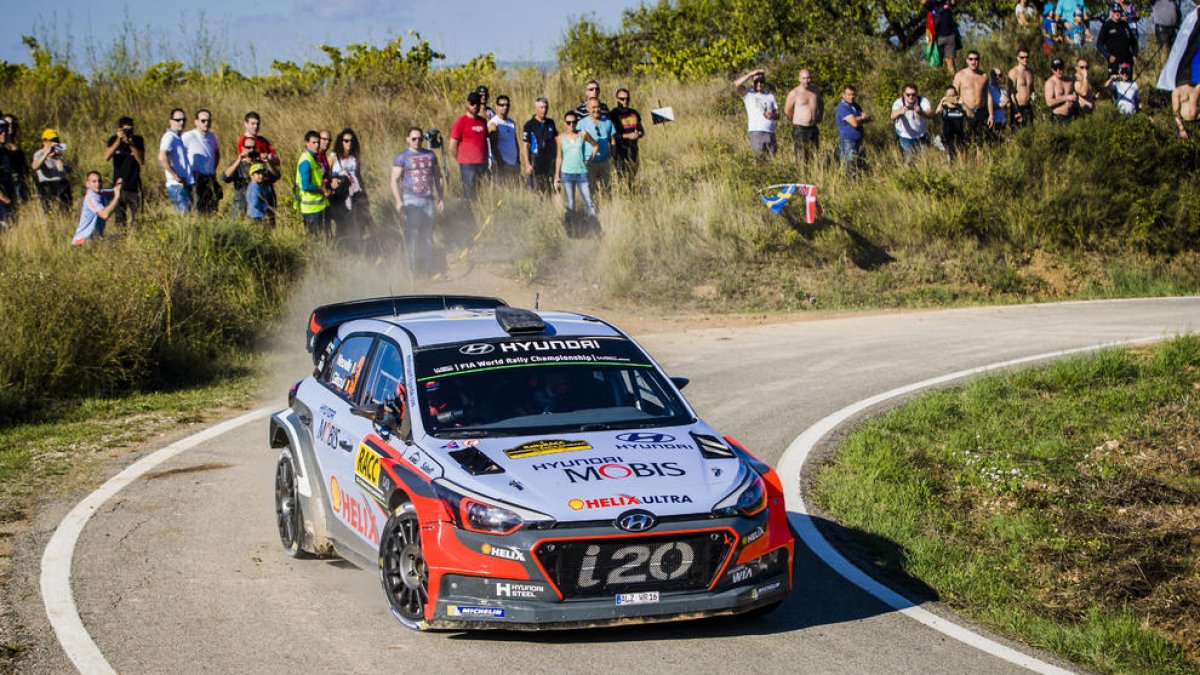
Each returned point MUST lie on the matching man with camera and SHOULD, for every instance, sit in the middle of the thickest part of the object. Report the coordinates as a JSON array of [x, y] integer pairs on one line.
[[415, 180], [240, 172], [910, 116], [266, 154], [50, 169], [127, 151]]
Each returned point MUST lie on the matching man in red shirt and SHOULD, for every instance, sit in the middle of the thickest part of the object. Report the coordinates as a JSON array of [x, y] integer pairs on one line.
[[468, 144]]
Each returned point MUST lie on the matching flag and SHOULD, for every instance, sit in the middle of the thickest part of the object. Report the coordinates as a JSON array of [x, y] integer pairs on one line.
[[933, 53], [777, 201], [812, 210], [1183, 63], [662, 115], [782, 194]]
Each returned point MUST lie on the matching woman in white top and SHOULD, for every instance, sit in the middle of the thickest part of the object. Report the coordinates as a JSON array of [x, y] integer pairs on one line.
[[348, 205]]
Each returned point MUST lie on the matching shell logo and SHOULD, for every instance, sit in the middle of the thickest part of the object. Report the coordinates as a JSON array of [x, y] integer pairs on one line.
[[335, 494], [486, 548], [575, 504]]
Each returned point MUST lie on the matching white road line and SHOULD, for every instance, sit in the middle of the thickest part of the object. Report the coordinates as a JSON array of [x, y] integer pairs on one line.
[[56, 560], [789, 470]]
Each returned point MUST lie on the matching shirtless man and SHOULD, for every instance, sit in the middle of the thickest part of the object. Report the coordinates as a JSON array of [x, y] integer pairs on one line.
[[971, 83], [1021, 79], [1187, 112], [1060, 94], [805, 108], [1085, 94]]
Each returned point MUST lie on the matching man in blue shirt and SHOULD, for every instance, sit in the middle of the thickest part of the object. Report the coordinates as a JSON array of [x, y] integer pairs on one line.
[[601, 130], [850, 119]]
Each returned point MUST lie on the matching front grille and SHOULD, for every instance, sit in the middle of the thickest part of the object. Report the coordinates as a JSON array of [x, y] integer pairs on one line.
[[662, 562]]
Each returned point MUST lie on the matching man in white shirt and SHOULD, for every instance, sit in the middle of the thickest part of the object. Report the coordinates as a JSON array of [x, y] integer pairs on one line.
[[173, 156], [910, 116], [761, 111], [204, 156]]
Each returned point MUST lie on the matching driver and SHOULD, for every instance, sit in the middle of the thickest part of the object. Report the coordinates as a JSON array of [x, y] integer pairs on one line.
[[446, 403]]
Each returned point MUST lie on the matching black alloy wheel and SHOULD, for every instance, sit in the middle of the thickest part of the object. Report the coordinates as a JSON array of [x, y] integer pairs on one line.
[[402, 566], [288, 514]]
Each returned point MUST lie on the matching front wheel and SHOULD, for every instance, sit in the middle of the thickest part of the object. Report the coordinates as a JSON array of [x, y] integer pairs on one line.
[[402, 567], [289, 517]]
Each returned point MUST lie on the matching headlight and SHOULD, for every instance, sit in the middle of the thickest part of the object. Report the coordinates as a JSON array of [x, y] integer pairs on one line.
[[749, 499], [480, 517], [476, 513]]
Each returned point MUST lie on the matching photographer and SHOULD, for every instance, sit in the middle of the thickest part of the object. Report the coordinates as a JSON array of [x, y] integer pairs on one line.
[[416, 184], [127, 151], [51, 169], [910, 116], [239, 173]]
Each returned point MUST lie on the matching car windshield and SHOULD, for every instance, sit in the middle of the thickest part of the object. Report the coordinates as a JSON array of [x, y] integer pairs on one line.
[[523, 386]]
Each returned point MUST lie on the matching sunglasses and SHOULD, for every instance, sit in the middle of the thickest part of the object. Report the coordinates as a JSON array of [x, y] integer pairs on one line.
[[177, 119], [414, 138], [910, 95], [348, 140], [204, 120], [623, 99], [502, 105], [569, 121]]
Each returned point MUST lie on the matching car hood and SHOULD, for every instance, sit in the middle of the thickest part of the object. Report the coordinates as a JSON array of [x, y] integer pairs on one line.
[[595, 475]]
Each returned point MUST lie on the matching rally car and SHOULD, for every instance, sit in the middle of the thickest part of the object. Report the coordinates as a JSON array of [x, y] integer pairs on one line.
[[508, 468]]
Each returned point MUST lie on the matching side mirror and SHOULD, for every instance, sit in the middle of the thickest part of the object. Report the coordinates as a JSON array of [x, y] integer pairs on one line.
[[371, 411], [680, 382]]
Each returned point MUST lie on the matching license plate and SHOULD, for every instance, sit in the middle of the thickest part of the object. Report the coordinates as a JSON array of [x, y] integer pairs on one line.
[[637, 598]]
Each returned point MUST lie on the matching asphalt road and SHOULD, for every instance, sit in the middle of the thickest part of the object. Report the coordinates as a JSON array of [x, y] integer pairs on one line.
[[182, 571]]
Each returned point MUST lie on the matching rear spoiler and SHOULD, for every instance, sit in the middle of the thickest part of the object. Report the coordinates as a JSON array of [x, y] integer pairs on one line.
[[325, 319]]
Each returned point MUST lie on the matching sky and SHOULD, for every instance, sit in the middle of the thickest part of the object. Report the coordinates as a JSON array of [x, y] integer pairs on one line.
[[250, 35]]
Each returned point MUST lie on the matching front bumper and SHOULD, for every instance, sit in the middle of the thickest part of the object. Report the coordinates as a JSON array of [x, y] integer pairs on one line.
[[755, 572]]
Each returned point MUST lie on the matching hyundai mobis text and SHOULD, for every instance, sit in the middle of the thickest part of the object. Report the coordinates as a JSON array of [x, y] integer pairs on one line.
[[505, 468]]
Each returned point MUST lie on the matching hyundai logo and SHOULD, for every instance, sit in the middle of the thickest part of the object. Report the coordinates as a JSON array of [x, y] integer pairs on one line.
[[635, 437], [636, 520], [477, 349]]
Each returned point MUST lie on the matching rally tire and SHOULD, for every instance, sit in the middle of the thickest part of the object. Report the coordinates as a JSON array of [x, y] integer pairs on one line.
[[289, 516], [402, 567]]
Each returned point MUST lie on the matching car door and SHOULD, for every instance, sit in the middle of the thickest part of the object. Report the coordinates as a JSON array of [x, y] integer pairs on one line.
[[339, 434], [379, 385]]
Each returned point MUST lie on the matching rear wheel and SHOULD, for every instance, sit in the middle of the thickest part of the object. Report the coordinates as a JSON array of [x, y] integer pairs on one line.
[[402, 567], [289, 517]]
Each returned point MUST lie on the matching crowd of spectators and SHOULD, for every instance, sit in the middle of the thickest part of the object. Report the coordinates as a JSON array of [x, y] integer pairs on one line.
[[329, 192], [983, 105]]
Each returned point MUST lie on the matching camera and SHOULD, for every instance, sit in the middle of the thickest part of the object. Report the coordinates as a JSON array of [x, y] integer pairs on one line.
[[253, 155], [60, 148], [434, 136]]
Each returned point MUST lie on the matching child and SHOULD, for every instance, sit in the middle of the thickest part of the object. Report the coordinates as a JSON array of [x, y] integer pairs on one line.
[[98, 205], [1077, 34], [1049, 28], [1125, 91], [257, 205]]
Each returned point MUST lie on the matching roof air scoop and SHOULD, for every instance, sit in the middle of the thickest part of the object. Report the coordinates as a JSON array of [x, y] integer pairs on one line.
[[516, 321]]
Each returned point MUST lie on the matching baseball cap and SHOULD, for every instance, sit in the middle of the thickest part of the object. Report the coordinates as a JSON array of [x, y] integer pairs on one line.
[[257, 167], [1056, 63], [1124, 68], [481, 90], [1115, 7], [474, 98], [49, 135]]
